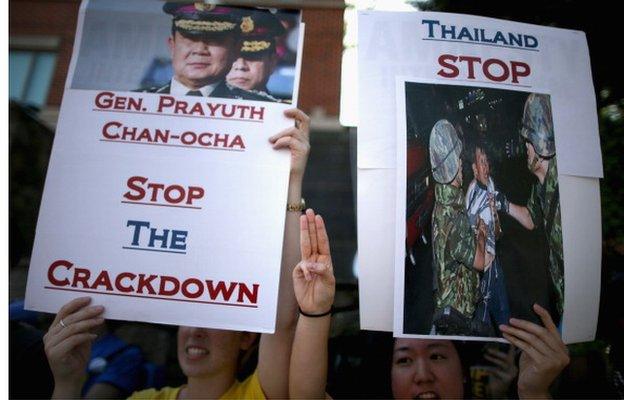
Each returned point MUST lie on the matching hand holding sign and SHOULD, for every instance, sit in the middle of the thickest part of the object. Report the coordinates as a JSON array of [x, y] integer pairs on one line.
[[297, 138], [544, 355], [68, 345]]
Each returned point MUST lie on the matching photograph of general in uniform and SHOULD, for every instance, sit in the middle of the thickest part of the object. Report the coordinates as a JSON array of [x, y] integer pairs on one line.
[[483, 219], [191, 49]]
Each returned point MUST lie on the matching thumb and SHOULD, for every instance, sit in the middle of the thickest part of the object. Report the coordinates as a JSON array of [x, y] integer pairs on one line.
[[303, 269], [321, 269]]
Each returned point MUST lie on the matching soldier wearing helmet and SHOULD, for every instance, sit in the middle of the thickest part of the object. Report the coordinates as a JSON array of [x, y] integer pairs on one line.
[[458, 252], [543, 205]]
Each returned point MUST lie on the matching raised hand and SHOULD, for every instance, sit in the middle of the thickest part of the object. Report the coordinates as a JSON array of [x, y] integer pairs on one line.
[[68, 344], [313, 277], [544, 355]]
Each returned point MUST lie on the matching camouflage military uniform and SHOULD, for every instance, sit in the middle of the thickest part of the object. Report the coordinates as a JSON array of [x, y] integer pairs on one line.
[[543, 197], [454, 247]]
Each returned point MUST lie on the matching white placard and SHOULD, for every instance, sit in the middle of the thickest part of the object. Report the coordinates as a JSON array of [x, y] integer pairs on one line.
[[410, 44], [163, 208], [377, 149]]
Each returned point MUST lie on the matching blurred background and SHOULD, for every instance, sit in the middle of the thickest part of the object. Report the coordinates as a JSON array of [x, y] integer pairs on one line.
[[41, 37]]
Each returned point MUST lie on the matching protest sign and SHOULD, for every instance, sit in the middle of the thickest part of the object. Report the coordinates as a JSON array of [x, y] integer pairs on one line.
[[477, 74], [162, 205]]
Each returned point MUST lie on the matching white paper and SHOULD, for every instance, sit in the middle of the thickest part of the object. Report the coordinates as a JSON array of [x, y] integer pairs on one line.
[[162, 208], [381, 34], [375, 231], [392, 44], [582, 246]]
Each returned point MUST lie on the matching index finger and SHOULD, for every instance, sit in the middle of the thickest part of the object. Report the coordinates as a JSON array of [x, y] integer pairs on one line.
[[70, 308], [299, 116], [548, 322], [540, 336], [304, 238]]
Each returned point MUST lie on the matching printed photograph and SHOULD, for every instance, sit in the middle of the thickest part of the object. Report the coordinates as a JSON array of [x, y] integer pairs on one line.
[[483, 220], [189, 48]]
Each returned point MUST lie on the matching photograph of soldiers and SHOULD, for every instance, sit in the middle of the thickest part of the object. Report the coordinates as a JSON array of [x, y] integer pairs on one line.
[[482, 256], [188, 48]]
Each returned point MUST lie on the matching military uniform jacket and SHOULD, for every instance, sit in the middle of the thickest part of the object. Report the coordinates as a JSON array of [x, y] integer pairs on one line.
[[542, 198], [224, 91], [454, 248]]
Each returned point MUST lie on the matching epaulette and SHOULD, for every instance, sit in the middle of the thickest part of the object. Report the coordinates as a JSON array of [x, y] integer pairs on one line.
[[154, 89], [251, 93], [264, 94]]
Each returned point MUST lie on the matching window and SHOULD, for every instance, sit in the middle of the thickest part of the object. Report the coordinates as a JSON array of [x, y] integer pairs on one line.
[[31, 66]]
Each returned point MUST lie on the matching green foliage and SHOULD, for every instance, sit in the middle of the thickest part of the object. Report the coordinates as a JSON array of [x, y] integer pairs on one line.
[[611, 120]]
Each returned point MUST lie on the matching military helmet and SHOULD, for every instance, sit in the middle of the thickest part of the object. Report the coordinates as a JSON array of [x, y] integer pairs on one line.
[[444, 151], [537, 124]]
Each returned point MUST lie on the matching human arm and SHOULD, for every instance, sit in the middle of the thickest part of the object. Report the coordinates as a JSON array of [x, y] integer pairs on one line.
[[544, 355], [482, 258], [517, 212], [274, 350], [68, 345], [315, 286], [522, 215], [495, 217]]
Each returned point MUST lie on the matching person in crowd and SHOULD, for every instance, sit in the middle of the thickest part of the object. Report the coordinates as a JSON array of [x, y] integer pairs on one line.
[[481, 204], [208, 357], [115, 368], [421, 368]]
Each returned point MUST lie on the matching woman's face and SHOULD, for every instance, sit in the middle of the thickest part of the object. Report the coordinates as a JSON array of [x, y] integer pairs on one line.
[[204, 352], [426, 369]]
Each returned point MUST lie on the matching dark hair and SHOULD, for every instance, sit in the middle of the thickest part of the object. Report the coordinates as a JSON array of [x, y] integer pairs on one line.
[[466, 355], [480, 144]]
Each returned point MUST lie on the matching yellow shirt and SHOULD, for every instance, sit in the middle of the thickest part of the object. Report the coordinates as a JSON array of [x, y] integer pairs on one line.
[[247, 389]]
